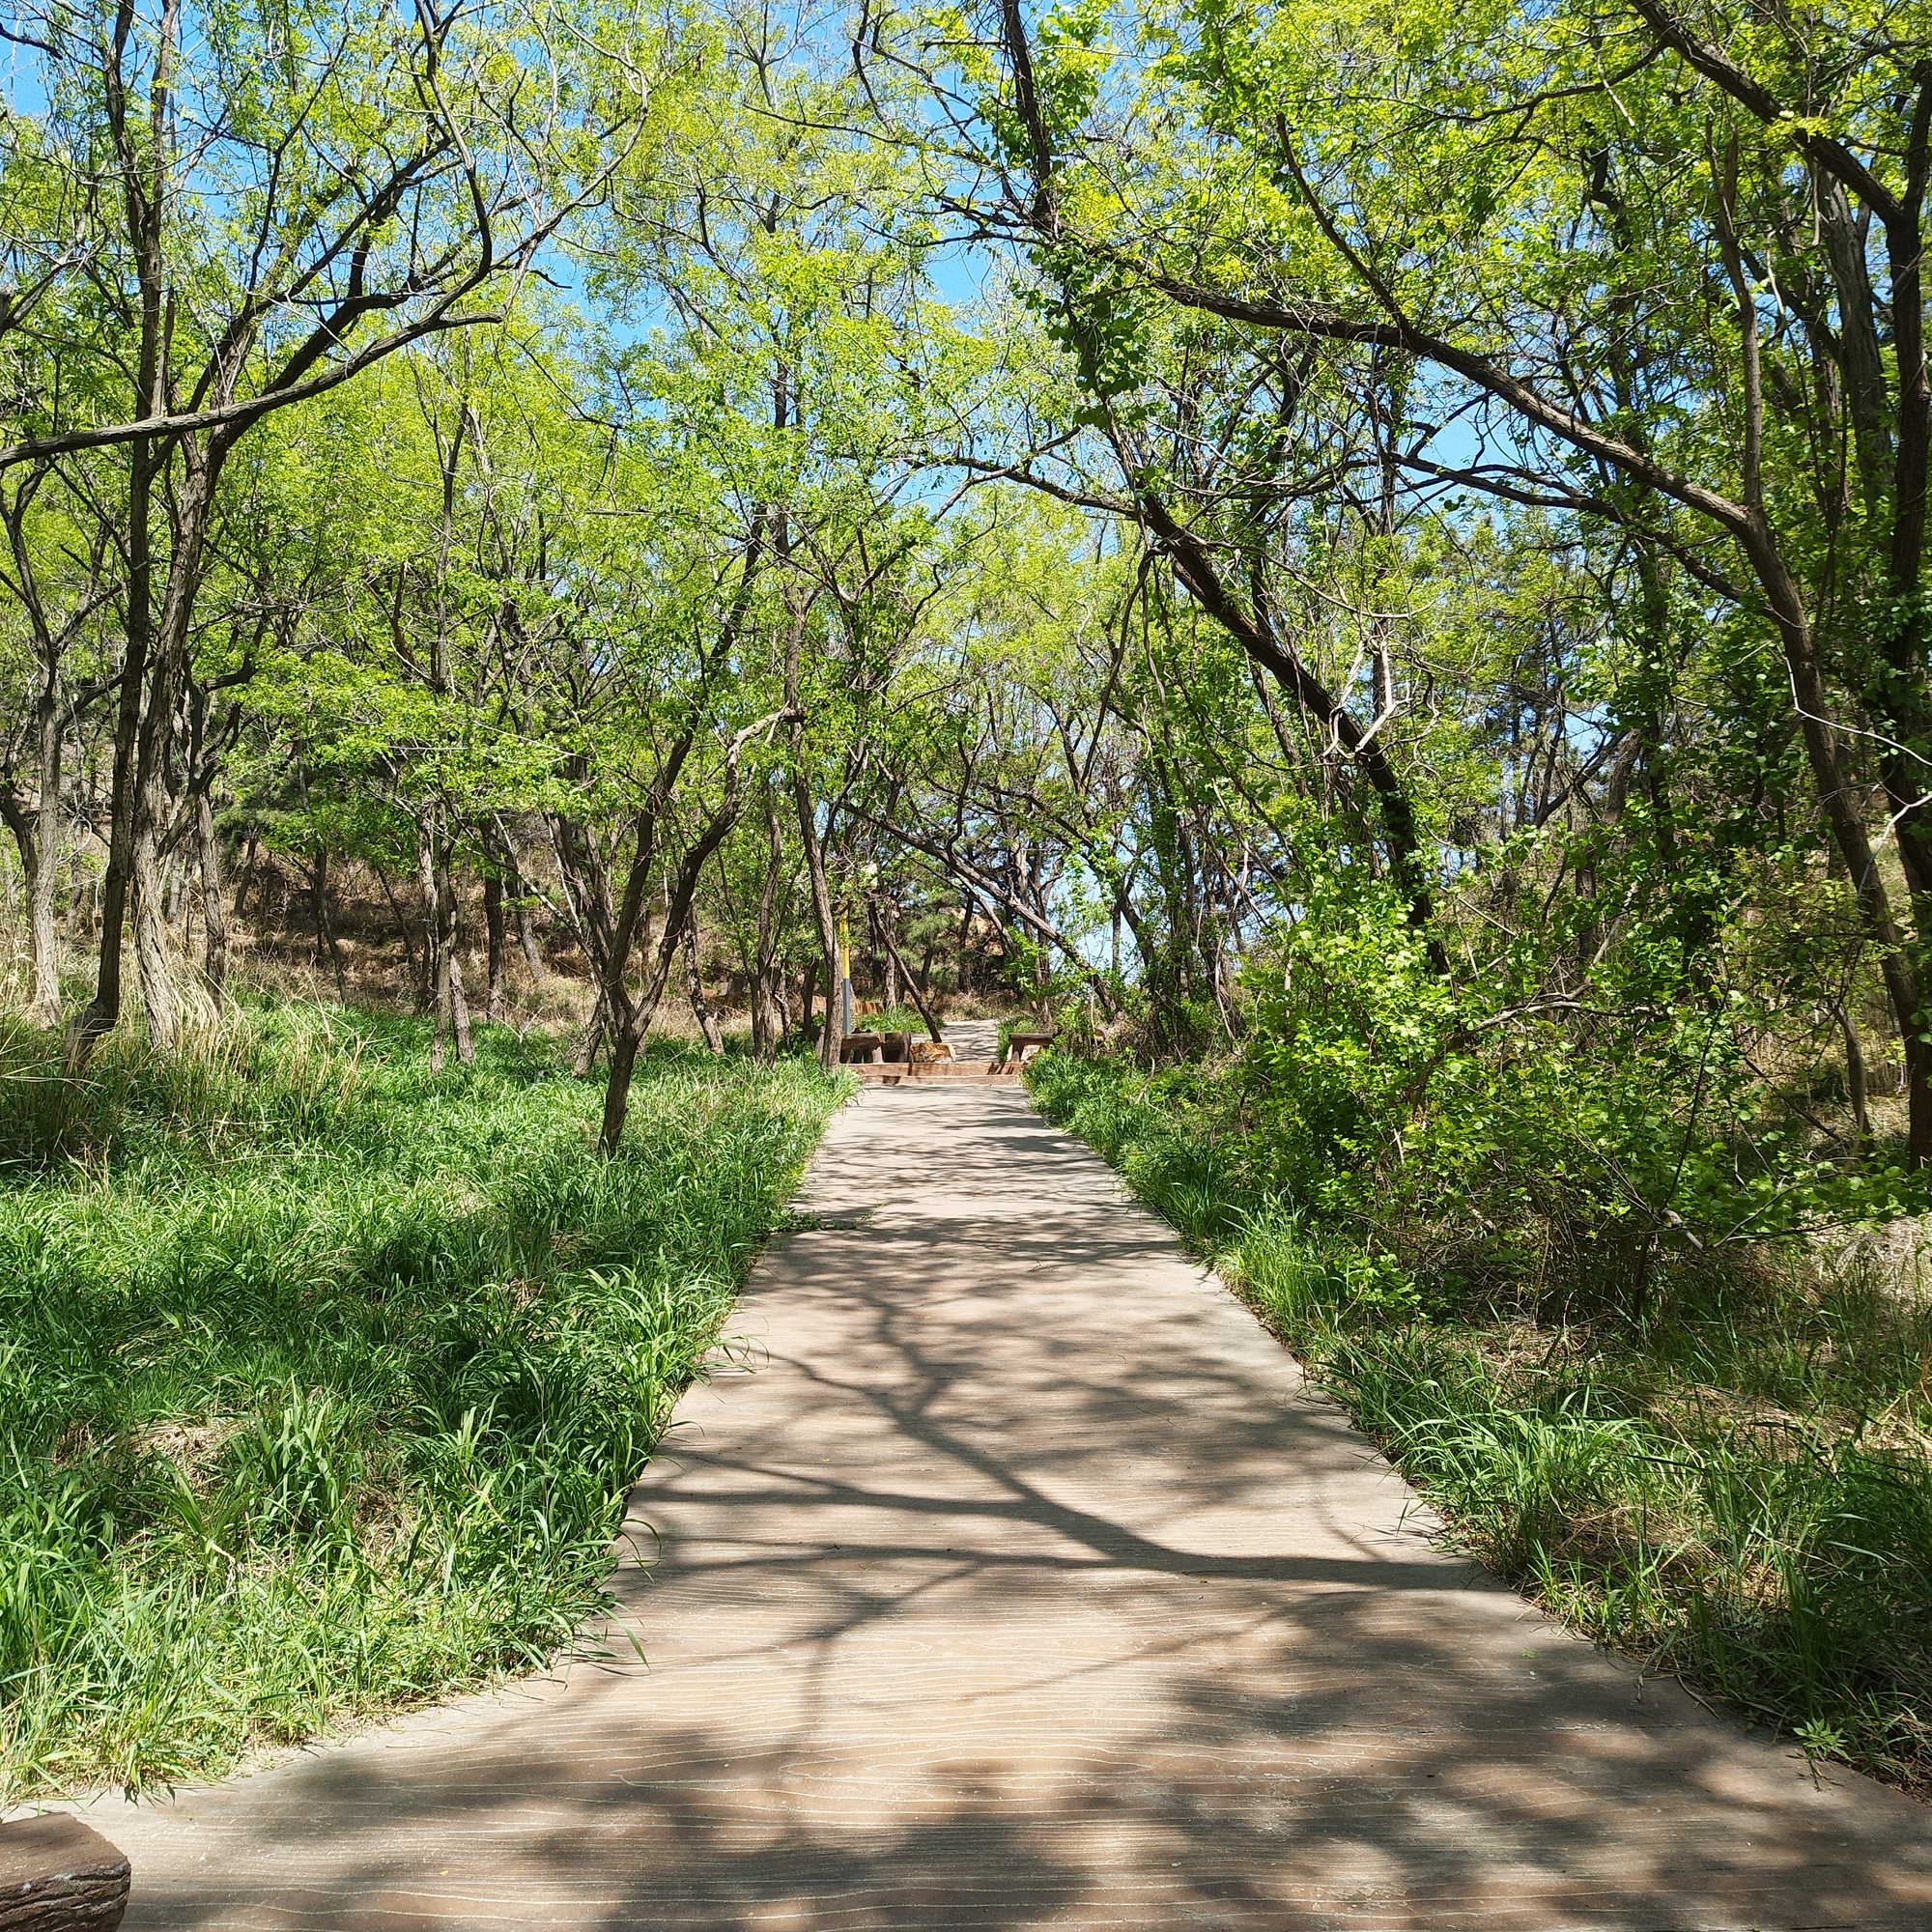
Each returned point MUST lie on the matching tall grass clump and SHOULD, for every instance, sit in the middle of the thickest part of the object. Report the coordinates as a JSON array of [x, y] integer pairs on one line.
[[322, 1378], [1733, 1486]]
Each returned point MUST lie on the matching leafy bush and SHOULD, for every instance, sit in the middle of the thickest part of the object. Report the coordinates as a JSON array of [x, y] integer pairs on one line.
[[1501, 1143]]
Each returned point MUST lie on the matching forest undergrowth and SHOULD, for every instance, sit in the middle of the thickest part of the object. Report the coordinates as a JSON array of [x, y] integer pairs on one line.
[[1733, 1488], [324, 1377]]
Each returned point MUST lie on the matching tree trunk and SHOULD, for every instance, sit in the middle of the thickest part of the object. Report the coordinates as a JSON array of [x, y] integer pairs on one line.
[[459, 1009], [103, 1013], [45, 1003], [324, 927], [890, 973], [1855, 1081], [627, 1020], [767, 1025], [449, 904], [166, 684], [1845, 814], [625, 1037], [436, 955], [527, 938], [635, 1019], [213, 919], [584, 1060], [147, 461], [37, 832], [821, 906], [45, 960], [700, 1006], [519, 885], [153, 953], [495, 940], [248, 875], [440, 993], [926, 1011]]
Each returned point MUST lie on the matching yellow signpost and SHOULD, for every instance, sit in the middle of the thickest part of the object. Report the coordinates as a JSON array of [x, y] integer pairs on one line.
[[844, 979]]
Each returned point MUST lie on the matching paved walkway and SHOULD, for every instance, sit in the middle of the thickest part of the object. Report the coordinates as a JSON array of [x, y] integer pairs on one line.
[[1024, 1586]]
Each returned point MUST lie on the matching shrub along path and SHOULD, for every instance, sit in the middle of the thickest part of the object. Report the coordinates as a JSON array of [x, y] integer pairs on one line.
[[1023, 1583]]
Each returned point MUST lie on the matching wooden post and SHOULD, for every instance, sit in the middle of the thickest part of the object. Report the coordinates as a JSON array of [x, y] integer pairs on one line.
[[844, 978], [58, 1876]]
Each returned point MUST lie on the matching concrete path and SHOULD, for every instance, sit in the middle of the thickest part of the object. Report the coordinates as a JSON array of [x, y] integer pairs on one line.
[[973, 1039], [1023, 1585]]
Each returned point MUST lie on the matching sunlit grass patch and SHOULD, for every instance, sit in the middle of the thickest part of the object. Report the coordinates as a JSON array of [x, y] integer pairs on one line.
[[322, 1378]]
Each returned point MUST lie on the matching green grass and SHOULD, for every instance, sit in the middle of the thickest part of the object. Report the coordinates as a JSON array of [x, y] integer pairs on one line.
[[1737, 1490], [893, 1019], [322, 1378]]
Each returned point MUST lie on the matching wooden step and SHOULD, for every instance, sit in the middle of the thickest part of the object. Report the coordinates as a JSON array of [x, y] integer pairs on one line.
[[898, 1073], [58, 1876]]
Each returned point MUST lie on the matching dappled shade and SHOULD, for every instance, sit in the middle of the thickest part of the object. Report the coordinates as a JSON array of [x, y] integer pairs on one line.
[[1020, 1581]]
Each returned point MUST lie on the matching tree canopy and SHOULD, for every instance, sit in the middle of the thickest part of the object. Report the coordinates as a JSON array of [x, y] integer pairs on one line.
[[1378, 550]]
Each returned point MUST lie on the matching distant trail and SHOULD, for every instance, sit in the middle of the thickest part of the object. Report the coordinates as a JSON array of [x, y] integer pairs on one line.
[[1025, 1585]]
